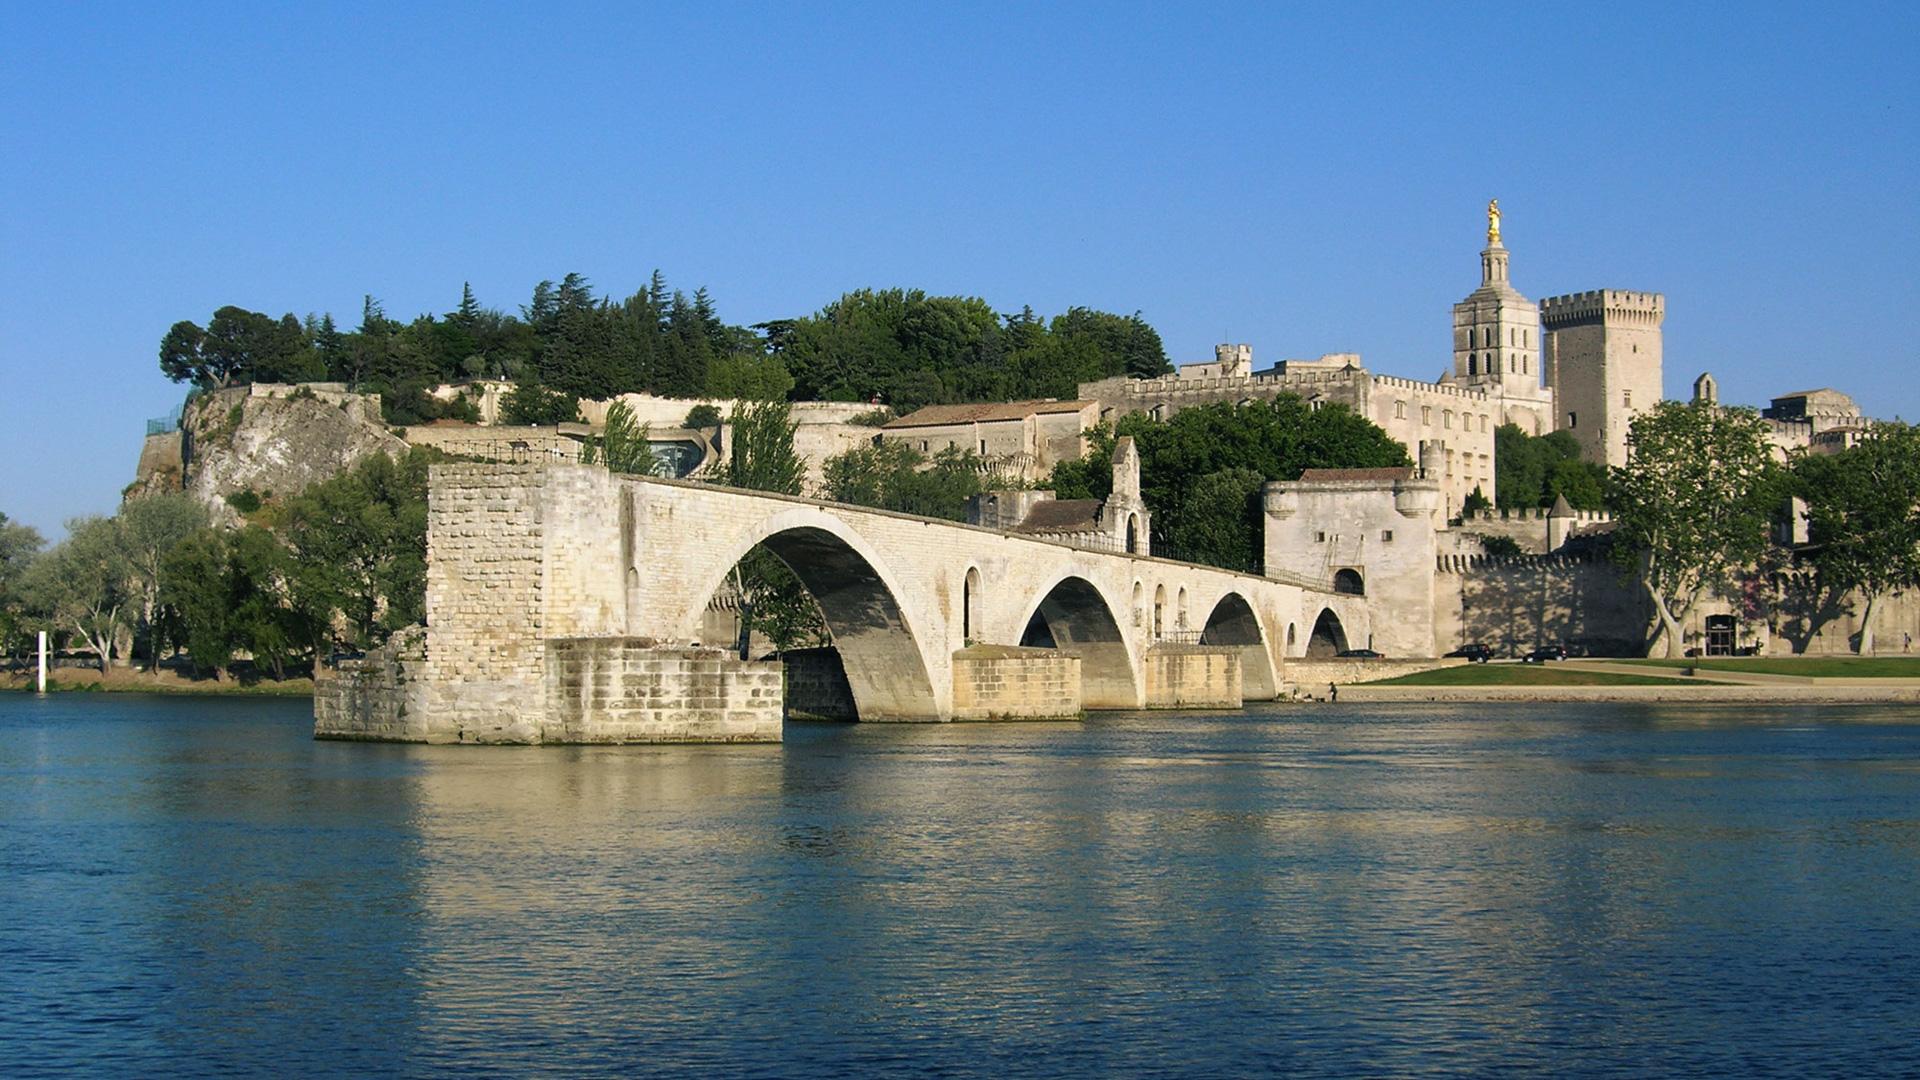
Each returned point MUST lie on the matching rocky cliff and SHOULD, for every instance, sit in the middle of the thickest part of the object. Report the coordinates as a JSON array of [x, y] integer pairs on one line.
[[270, 440]]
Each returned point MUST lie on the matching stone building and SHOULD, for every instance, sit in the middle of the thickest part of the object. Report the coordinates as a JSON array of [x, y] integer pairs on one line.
[[1457, 422], [1496, 343], [1369, 532], [1603, 363], [1019, 439], [1587, 362], [1120, 522]]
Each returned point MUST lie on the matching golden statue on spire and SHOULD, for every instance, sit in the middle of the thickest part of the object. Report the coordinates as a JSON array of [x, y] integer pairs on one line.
[[1493, 221]]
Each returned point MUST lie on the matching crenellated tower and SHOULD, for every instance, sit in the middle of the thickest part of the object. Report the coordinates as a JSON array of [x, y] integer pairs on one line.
[[1603, 360]]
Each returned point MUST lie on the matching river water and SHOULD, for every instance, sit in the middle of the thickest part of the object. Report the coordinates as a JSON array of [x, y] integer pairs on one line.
[[194, 886]]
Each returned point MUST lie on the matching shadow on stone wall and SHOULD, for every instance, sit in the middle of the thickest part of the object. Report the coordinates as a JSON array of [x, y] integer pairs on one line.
[[1516, 605]]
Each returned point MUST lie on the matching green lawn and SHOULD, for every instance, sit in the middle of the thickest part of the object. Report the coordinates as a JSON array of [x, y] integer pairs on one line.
[[1816, 667], [1526, 675]]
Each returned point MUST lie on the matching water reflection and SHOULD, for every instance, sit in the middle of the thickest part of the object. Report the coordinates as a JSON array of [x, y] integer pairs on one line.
[[1343, 890]]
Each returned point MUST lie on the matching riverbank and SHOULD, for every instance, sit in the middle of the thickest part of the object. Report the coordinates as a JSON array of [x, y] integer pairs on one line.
[[1814, 681], [126, 680]]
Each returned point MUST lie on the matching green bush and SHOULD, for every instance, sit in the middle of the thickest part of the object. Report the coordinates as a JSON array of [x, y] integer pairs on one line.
[[539, 406], [702, 417], [246, 501]]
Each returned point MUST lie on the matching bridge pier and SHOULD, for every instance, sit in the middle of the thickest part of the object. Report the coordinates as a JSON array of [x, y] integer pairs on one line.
[[1192, 676]]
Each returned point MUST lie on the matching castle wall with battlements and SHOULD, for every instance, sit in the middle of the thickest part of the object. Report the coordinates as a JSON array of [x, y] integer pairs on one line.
[[1458, 420]]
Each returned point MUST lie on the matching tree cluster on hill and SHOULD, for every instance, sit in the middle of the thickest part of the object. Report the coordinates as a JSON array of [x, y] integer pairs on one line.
[[1202, 469], [909, 349], [1534, 470], [659, 340], [341, 564], [898, 346]]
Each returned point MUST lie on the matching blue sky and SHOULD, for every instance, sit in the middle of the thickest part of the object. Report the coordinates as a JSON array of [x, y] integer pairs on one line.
[[1308, 181]]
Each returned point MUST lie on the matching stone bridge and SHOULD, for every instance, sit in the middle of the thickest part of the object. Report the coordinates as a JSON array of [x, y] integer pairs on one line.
[[564, 603]]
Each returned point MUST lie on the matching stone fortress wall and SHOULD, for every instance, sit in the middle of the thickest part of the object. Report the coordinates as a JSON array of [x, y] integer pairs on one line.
[[1533, 528], [1460, 421]]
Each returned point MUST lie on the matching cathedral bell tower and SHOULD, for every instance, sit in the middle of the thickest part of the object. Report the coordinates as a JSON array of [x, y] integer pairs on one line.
[[1496, 331]]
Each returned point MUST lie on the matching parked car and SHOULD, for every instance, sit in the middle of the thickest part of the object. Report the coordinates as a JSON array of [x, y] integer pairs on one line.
[[1478, 652], [1545, 653], [1360, 654]]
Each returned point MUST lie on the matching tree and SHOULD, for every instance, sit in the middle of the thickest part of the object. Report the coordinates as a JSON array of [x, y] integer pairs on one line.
[[539, 406], [892, 475], [773, 600], [1863, 517], [623, 445], [359, 545], [150, 527], [182, 360], [19, 545], [748, 376], [264, 620], [762, 456], [1533, 471], [81, 585], [1220, 522], [1692, 506], [1275, 440], [195, 586]]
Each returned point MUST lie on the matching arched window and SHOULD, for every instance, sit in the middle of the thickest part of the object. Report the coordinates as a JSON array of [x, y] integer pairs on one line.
[[1159, 609], [1473, 365], [970, 604], [1292, 634], [1139, 603], [1347, 581], [1133, 534], [1180, 609]]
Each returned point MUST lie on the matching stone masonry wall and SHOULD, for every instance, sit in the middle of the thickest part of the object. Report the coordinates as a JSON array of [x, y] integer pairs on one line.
[[1311, 678], [1192, 677], [817, 686], [1005, 682], [378, 697], [1519, 604], [485, 582], [627, 690]]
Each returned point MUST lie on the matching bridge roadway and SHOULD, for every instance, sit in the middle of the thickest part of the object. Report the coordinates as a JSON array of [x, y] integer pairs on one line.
[[520, 553]]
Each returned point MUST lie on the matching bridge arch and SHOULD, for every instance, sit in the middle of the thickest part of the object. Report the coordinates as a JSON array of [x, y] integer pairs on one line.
[[1233, 622], [1328, 637], [1073, 614], [881, 650]]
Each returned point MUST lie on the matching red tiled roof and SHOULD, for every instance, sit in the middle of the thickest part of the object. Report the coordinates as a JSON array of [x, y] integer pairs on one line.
[[1061, 515], [941, 415], [1331, 476]]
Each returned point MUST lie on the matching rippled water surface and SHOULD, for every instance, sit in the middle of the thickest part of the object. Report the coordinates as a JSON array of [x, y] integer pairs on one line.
[[194, 886]]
